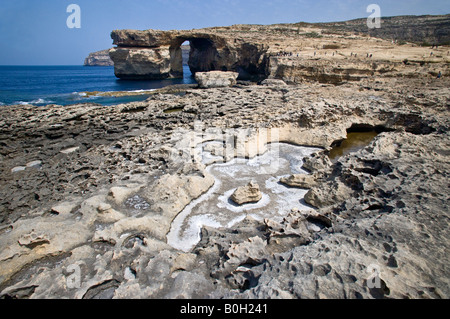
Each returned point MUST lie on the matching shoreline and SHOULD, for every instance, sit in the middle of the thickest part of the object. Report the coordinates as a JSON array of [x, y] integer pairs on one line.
[[69, 85]]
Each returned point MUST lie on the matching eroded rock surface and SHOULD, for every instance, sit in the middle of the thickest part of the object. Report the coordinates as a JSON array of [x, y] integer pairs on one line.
[[330, 53], [99, 58], [216, 79], [92, 222]]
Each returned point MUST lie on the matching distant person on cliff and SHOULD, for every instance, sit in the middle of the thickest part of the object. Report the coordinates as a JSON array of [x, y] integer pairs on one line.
[[439, 75]]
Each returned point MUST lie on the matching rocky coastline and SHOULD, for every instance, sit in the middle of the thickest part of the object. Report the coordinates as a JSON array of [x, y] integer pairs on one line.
[[296, 53], [90, 193]]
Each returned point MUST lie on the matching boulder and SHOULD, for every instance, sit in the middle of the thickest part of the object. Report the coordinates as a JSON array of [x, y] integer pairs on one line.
[[273, 82], [247, 194], [65, 208], [328, 194], [252, 251], [216, 79], [142, 63], [300, 181]]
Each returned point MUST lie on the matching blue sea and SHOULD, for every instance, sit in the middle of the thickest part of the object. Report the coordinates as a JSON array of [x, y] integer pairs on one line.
[[64, 85]]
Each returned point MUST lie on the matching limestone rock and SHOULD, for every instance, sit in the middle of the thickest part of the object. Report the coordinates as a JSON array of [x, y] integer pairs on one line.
[[148, 38], [189, 286], [33, 239], [143, 63], [119, 194], [247, 194], [317, 162], [292, 225], [385, 205], [216, 79], [162, 50], [184, 262], [249, 252], [64, 208], [300, 180], [323, 53], [99, 58], [273, 82], [109, 215], [333, 193]]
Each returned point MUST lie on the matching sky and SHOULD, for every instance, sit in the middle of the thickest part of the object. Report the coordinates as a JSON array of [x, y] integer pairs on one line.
[[35, 32]]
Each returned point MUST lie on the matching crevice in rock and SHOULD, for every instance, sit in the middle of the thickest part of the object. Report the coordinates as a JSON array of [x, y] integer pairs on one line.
[[20, 293], [24, 272], [133, 240], [361, 128], [104, 290], [380, 292]]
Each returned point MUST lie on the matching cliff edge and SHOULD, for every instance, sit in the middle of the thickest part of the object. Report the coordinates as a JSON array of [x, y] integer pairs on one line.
[[99, 58], [332, 53]]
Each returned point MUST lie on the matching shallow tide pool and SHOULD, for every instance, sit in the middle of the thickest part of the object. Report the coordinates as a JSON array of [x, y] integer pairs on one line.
[[353, 143]]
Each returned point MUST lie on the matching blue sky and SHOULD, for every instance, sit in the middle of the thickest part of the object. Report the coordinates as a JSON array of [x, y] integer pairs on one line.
[[35, 32]]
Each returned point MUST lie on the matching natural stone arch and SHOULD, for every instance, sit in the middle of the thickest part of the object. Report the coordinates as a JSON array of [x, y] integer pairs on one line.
[[203, 57], [154, 54]]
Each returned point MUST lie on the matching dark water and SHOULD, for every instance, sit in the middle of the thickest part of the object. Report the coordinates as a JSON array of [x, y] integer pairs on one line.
[[63, 85], [354, 142]]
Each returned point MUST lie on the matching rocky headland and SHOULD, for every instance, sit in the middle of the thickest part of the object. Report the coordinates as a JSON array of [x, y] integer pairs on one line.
[[91, 195], [99, 58]]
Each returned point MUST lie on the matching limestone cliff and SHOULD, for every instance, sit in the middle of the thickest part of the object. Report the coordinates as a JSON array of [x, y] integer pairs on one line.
[[426, 30], [296, 53], [99, 58]]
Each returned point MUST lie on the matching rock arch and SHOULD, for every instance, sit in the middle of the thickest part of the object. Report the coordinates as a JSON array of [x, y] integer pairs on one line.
[[155, 54], [204, 55]]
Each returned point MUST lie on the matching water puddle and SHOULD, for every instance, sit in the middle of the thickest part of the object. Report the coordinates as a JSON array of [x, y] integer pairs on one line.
[[354, 142], [215, 209]]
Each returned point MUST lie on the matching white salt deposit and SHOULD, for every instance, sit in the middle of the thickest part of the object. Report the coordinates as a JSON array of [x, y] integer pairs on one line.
[[215, 208]]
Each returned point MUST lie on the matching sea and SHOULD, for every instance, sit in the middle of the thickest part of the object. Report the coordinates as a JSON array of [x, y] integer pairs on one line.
[[65, 85]]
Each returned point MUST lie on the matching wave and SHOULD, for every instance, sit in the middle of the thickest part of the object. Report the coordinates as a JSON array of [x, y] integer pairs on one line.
[[84, 95], [140, 91], [97, 94], [34, 102], [106, 98]]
